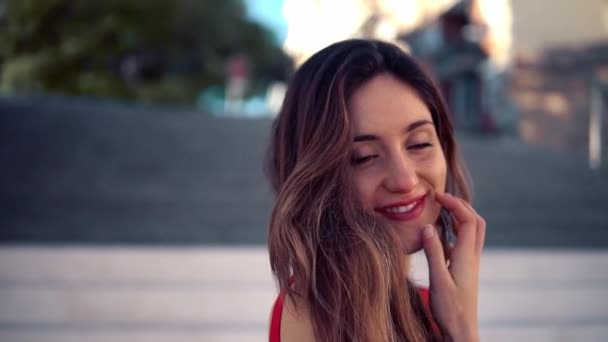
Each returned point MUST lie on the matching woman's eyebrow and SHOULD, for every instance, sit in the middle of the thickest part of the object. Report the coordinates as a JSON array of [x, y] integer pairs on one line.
[[365, 137], [417, 124], [409, 128]]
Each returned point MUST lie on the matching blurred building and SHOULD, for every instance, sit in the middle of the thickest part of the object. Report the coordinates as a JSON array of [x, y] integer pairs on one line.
[[560, 59], [544, 24]]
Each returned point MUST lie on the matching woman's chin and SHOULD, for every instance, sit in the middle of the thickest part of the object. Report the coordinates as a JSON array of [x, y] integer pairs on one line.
[[412, 246], [410, 233], [411, 238]]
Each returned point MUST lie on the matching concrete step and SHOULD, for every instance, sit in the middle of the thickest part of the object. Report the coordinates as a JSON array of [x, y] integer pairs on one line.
[[226, 293]]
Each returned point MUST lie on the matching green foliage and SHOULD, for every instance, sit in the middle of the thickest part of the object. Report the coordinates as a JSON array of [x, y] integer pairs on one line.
[[82, 46]]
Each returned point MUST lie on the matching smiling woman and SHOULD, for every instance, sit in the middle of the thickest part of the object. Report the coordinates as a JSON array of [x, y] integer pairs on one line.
[[398, 160], [364, 163]]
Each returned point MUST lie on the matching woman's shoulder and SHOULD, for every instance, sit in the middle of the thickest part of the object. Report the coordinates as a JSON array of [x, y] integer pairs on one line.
[[291, 320]]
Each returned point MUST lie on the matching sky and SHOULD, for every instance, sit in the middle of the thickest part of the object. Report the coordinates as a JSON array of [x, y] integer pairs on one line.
[[268, 12]]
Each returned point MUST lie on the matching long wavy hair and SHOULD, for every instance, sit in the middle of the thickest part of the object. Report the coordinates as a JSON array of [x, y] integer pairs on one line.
[[326, 252]]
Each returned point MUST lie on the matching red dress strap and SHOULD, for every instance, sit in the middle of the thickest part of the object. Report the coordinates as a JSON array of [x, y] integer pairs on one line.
[[424, 295], [275, 321]]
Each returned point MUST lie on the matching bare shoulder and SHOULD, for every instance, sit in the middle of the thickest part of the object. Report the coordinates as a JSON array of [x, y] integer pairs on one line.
[[296, 325]]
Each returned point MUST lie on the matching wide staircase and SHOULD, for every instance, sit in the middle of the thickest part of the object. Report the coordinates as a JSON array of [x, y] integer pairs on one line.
[[131, 223]]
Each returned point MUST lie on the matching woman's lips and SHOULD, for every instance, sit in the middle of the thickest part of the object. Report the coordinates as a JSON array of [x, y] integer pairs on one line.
[[403, 211]]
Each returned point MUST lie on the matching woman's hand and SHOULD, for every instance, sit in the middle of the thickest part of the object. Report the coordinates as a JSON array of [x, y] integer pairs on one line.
[[453, 289]]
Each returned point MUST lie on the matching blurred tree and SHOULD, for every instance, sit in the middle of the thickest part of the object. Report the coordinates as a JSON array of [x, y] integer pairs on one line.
[[152, 50]]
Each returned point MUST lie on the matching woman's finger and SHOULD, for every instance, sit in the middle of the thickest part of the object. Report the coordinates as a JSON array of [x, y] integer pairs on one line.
[[438, 271], [481, 235], [456, 206], [465, 226], [480, 223]]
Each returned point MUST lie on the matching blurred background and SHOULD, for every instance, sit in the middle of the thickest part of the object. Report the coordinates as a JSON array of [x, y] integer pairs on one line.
[[133, 206]]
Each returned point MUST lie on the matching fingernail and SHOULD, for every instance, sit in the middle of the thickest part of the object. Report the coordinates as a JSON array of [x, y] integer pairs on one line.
[[428, 231]]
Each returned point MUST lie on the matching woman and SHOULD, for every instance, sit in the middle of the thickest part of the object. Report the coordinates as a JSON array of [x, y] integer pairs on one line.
[[363, 162]]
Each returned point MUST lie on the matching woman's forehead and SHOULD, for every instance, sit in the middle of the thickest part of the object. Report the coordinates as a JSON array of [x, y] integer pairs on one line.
[[385, 103]]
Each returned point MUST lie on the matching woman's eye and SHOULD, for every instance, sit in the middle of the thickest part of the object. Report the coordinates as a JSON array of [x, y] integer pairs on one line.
[[420, 146], [362, 160]]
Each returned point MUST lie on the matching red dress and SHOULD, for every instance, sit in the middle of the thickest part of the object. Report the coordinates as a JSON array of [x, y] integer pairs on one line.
[[277, 312]]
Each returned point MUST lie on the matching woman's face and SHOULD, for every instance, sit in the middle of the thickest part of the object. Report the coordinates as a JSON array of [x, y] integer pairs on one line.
[[397, 158]]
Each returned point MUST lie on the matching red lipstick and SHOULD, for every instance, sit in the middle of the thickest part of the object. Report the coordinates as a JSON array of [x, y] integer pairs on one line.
[[403, 211]]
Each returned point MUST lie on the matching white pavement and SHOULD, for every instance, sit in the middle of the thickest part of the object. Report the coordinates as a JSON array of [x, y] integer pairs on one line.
[[179, 294]]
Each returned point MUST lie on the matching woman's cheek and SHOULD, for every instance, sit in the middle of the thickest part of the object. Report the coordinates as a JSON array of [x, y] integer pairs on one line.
[[365, 190], [435, 168]]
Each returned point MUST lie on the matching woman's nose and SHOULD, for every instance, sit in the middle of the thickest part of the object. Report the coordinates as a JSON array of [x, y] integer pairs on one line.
[[401, 176]]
